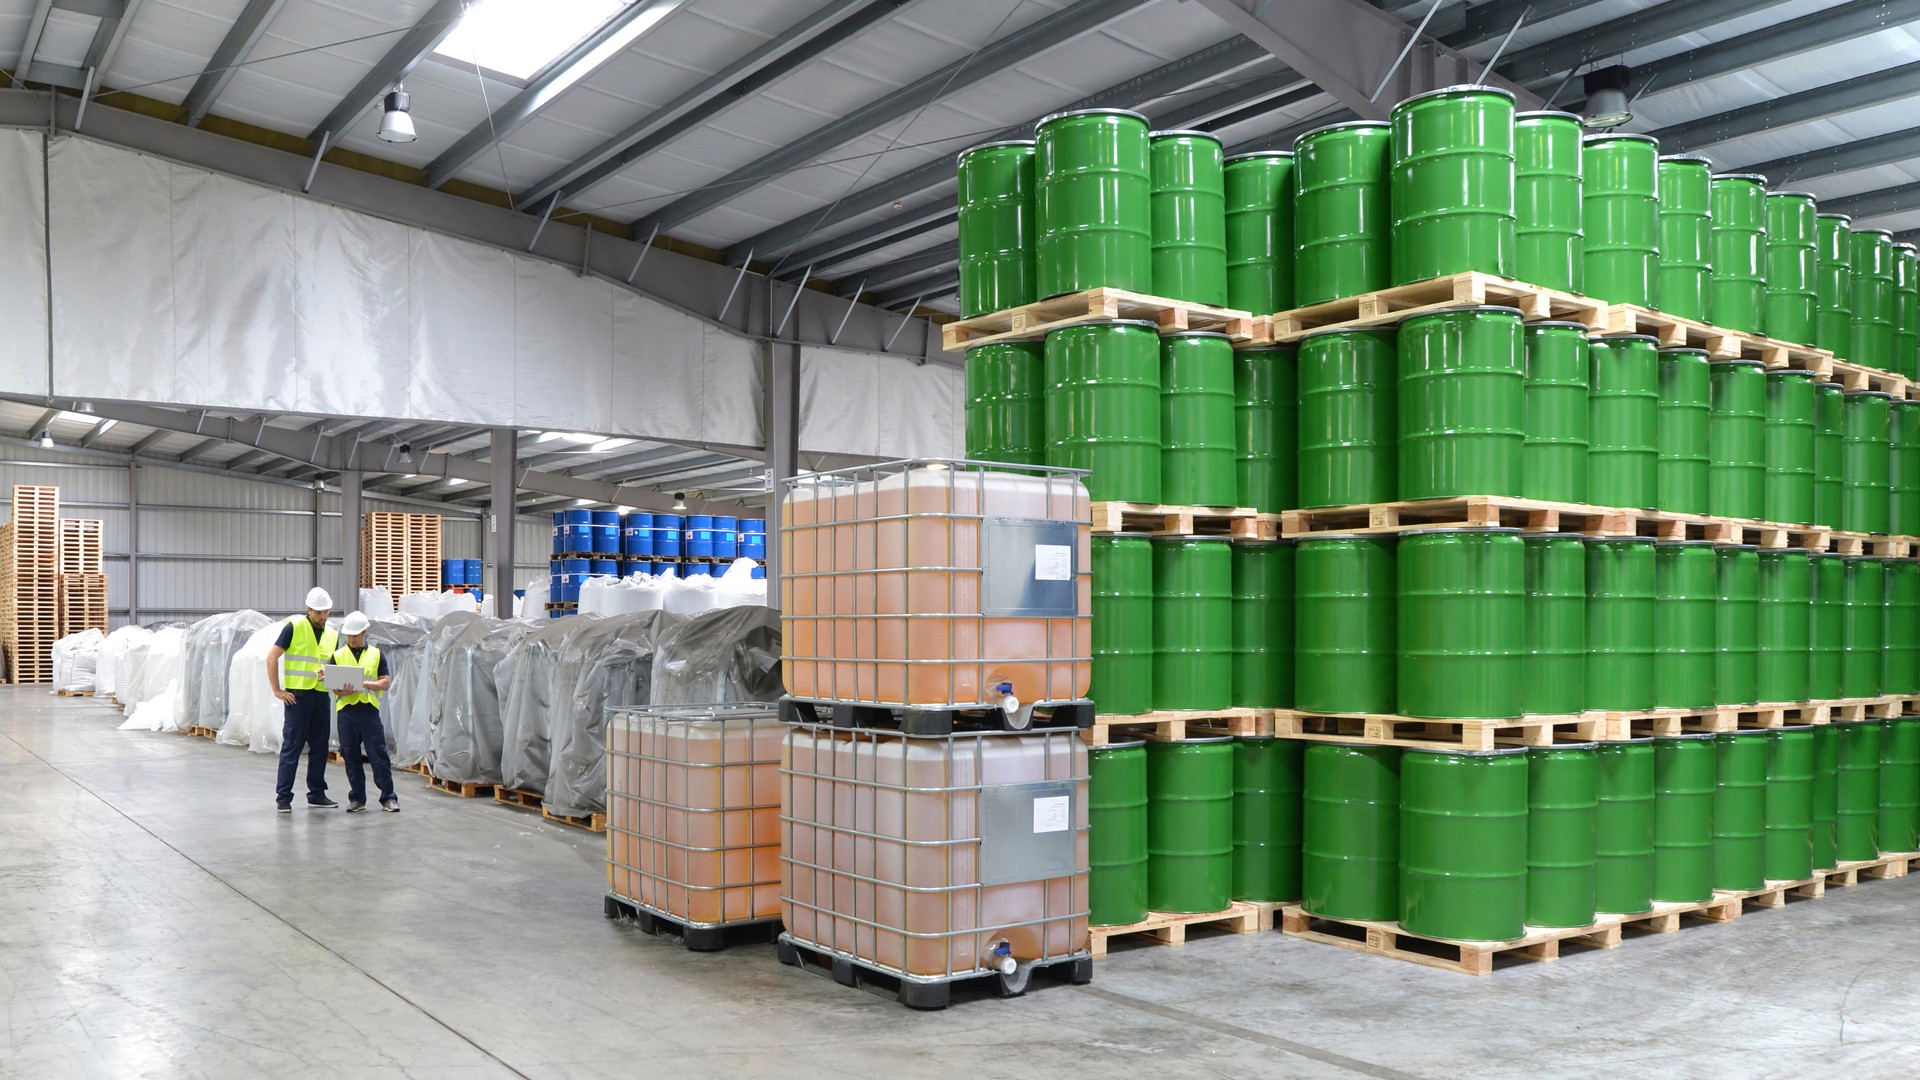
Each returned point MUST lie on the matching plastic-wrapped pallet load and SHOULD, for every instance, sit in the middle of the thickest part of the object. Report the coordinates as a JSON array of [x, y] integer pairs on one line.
[[110, 664], [397, 637], [466, 731], [532, 603], [254, 716], [738, 587], [530, 702], [376, 603], [74, 660], [728, 655], [610, 664], [211, 645], [408, 709], [156, 675], [693, 595]]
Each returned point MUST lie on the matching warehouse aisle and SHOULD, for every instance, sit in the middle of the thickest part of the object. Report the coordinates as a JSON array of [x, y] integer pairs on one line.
[[157, 918]]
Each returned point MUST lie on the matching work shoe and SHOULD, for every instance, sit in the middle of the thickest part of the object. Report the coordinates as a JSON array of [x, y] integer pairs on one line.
[[391, 806], [284, 808], [322, 803], [356, 807]]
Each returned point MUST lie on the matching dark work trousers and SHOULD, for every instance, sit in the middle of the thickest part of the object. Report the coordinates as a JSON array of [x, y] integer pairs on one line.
[[308, 719], [362, 739]]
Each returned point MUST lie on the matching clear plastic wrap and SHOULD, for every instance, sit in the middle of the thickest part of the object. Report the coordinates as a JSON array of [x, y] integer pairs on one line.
[[738, 587], [110, 665], [397, 637], [156, 669], [466, 727], [529, 703], [212, 644], [533, 599], [719, 656], [610, 664], [376, 602], [254, 716], [409, 707], [75, 658]]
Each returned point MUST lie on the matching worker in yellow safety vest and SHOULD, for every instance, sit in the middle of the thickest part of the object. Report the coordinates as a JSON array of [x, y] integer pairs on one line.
[[305, 646], [359, 712]]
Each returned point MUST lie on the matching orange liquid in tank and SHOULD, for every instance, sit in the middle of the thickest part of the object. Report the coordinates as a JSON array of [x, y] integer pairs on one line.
[[884, 572]]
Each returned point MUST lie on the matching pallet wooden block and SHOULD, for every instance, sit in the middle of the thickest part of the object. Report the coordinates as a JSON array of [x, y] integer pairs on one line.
[[1388, 307], [1474, 511], [596, 822], [525, 800], [1171, 929], [1886, 547], [1861, 377], [1178, 725], [462, 788], [1032, 322]]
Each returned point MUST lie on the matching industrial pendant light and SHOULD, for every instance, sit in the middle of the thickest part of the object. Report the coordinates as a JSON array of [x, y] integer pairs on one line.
[[46, 440], [679, 500], [396, 124], [1607, 104]]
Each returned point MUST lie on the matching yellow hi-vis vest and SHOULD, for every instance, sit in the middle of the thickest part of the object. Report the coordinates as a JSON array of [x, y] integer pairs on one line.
[[300, 665], [369, 663]]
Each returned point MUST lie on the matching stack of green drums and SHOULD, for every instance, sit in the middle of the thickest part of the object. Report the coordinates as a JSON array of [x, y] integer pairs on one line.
[[1103, 407], [1737, 292], [1198, 451], [1348, 418], [1262, 624], [1462, 403], [1461, 623], [997, 229], [1684, 431], [1623, 409], [1123, 609], [1345, 632], [1007, 403], [1686, 235], [1267, 787], [1350, 832], [1190, 802], [1792, 266], [1684, 774], [1553, 461], [1342, 226], [1192, 623], [1117, 834], [1464, 843], [1259, 227], [1550, 247], [1833, 285], [1093, 197], [1622, 217], [1736, 440], [1189, 226], [1451, 191], [1876, 304]]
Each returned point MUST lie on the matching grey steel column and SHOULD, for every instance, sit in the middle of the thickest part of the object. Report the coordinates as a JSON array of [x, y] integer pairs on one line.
[[500, 518], [133, 543], [350, 533]]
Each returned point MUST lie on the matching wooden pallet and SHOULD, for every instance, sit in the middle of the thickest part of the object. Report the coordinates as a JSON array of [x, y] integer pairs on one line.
[[525, 800], [74, 693], [1031, 322], [1388, 307], [1886, 547], [1612, 726], [1719, 342], [1171, 930], [204, 732], [1240, 523], [1178, 725], [1850, 710], [1474, 511], [1419, 733], [595, 822], [1861, 377], [1888, 866], [80, 540], [462, 788]]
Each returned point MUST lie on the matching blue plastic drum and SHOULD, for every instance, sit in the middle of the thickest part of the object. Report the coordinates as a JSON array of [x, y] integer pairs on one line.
[[575, 539], [453, 572], [690, 569], [699, 536], [476, 573], [605, 567], [759, 573], [726, 537], [636, 536], [668, 536]]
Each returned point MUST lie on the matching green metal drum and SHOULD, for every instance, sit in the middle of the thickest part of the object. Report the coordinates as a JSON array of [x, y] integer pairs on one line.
[[1620, 590], [1739, 810], [1344, 618], [1622, 214], [1462, 623], [1792, 265], [1737, 633], [1260, 231], [1350, 832], [1686, 235], [997, 228], [1463, 387], [1623, 409], [1790, 427], [1866, 461], [1686, 395], [1876, 303], [1117, 834], [1341, 222], [1093, 205], [1829, 423], [1856, 828], [1007, 402], [1452, 184], [1736, 295], [1266, 819], [1788, 851], [1899, 819], [1562, 799], [1190, 825], [1123, 656], [1266, 388], [1349, 418], [1906, 323], [1684, 772], [1197, 446], [1553, 462], [1463, 843], [1192, 623], [1865, 633], [1686, 591], [1903, 468], [1555, 681], [1900, 657], [1829, 626], [1262, 624], [1785, 626], [1189, 217], [1737, 440], [1103, 407], [1833, 285], [1623, 827], [1826, 793], [1550, 246]]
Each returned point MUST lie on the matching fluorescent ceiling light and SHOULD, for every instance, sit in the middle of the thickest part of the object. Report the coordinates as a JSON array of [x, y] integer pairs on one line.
[[77, 418], [107, 425], [456, 481], [583, 502], [517, 38], [605, 445]]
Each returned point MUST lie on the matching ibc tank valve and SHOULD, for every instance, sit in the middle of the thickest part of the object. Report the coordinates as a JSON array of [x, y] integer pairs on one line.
[[1017, 718], [1003, 960]]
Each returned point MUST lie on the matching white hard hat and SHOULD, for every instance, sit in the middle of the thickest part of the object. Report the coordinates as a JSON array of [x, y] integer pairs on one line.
[[356, 623], [318, 600]]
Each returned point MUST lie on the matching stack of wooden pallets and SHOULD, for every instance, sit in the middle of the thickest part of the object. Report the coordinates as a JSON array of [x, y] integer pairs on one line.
[[29, 574], [400, 552], [81, 592]]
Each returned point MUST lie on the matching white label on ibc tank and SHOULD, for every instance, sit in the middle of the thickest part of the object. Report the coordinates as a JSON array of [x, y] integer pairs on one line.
[[1052, 815], [1052, 562]]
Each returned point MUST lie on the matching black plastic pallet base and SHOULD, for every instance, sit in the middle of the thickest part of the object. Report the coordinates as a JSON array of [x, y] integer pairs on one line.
[[933, 721], [695, 938], [925, 995]]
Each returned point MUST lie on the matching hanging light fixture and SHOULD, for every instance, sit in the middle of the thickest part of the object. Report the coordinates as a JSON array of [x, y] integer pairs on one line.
[[1607, 104], [679, 500], [396, 123], [46, 440], [406, 453]]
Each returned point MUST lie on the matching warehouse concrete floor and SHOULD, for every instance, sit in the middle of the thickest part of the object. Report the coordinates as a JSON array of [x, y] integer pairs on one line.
[[158, 919]]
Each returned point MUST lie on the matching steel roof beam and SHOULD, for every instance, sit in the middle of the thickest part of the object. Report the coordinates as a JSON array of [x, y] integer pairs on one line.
[[41, 425], [612, 38], [149, 442], [1870, 204], [1888, 149], [1880, 87], [407, 53], [799, 44], [1484, 22], [912, 266], [1646, 27], [200, 448], [932, 289], [1067, 24], [870, 238], [242, 36], [625, 468]]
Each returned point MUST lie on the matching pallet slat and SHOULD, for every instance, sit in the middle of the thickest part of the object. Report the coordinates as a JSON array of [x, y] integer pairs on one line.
[[1171, 929], [1388, 307], [1032, 322]]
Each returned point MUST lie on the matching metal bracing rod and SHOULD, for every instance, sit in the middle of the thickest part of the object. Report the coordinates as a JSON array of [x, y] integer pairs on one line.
[[795, 302], [414, 46], [888, 347], [852, 302], [242, 36], [644, 248], [737, 279], [319, 151], [1412, 40], [1494, 60], [544, 218]]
